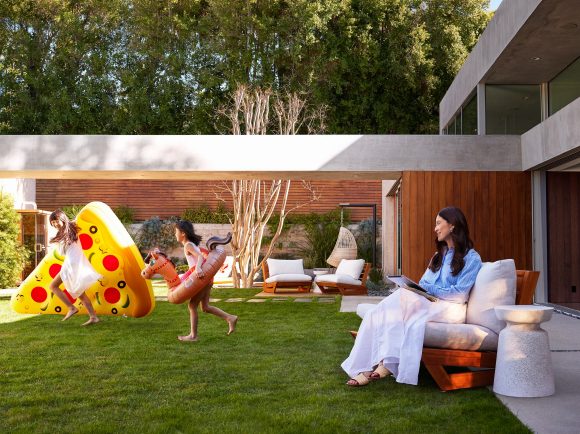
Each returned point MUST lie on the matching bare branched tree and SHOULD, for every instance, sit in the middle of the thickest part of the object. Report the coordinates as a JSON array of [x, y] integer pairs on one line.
[[254, 201]]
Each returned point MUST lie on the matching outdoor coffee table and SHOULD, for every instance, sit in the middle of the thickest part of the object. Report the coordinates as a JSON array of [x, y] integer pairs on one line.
[[524, 362]]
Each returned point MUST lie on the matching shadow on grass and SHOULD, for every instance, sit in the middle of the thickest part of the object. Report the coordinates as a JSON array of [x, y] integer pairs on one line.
[[280, 371]]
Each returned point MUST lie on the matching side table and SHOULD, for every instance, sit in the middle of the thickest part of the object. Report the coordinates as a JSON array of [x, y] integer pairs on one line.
[[524, 362], [317, 272]]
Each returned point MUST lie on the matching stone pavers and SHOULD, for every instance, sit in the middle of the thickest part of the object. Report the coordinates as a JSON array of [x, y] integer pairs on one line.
[[326, 300]]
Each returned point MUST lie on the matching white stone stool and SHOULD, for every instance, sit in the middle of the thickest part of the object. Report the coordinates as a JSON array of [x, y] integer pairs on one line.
[[524, 362]]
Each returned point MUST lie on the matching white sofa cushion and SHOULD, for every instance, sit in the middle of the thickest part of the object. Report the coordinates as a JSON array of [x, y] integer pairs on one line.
[[470, 337], [363, 308], [285, 266], [289, 278], [338, 278], [351, 267], [495, 285]]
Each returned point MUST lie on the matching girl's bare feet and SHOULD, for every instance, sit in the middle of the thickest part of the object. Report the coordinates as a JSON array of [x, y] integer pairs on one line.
[[232, 320], [71, 311], [188, 338], [93, 320]]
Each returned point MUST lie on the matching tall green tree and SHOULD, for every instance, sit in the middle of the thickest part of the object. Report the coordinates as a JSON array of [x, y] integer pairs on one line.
[[165, 66]]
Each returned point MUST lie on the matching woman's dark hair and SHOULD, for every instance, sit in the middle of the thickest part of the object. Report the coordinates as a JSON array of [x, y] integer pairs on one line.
[[68, 232], [461, 240], [187, 228]]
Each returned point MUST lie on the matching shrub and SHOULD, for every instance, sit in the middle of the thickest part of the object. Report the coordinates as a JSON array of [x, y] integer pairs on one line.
[[72, 211], [125, 214], [321, 235], [365, 240], [203, 214], [12, 254], [156, 233]]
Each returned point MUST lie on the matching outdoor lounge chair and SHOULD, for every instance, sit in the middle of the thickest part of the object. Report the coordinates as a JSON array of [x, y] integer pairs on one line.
[[285, 273], [350, 278], [224, 275], [472, 346]]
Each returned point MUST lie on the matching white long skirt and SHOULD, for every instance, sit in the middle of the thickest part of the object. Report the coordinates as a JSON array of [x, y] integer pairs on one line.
[[77, 273], [393, 332]]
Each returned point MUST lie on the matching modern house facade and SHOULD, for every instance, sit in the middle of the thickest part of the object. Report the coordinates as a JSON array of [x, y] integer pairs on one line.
[[523, 78], [508, 154]]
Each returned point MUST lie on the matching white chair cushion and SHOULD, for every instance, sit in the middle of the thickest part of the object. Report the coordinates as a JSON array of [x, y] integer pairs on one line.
[[495, 285], [469, 337], [289, 278], [351, 267], [285, 266], [338, 278], [363, 308], [453, 313]]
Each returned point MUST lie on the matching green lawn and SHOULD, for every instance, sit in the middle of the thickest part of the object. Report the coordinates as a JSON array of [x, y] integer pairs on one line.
[[279, 372]]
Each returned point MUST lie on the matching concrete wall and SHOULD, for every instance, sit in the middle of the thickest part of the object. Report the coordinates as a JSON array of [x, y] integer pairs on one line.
[[265, 157], [507, 21], [23, 191], [557, 136], [389, 229]]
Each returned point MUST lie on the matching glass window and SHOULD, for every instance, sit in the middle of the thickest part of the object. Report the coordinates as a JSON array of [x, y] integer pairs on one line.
[[565, 88], [469, 116], [512, 108]]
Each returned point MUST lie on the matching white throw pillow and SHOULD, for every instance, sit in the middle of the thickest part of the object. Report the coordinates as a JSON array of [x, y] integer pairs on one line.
[[495, 285], [285, 266], [351, 267]]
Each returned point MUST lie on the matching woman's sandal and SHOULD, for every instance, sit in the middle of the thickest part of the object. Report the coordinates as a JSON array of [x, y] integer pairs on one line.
[[379, 372], [358, 381]]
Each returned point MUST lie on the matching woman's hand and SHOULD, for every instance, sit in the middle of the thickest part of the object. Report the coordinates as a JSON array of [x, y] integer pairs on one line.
[[200, 274]]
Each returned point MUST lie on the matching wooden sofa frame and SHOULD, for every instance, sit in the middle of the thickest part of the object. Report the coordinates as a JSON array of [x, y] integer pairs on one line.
[[436, 360], [346, 288], [301, 286]]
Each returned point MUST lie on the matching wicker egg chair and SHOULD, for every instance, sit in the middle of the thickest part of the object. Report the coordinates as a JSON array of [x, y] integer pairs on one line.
[[345, 248]]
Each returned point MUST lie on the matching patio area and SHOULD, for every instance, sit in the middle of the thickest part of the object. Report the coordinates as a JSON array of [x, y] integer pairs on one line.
[[550, 415]]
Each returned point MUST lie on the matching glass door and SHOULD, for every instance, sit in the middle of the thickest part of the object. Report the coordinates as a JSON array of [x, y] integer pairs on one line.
[[33, 236], [28, 240]]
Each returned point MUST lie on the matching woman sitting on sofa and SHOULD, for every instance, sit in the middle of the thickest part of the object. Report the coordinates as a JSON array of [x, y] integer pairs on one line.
[[390, 337]]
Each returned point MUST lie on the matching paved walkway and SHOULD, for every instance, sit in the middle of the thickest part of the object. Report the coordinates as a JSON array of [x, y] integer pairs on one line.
[[556, 414]]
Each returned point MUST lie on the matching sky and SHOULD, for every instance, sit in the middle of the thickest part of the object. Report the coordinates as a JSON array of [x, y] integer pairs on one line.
[[494, 4]]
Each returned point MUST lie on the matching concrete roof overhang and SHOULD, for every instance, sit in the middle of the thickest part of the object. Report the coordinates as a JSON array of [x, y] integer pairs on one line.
[[520, 32], [246, 157], [547, 42]]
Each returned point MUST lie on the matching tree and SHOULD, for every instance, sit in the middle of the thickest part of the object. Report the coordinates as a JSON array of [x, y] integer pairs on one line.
[[165, 67], [254, 201], [11, 251]]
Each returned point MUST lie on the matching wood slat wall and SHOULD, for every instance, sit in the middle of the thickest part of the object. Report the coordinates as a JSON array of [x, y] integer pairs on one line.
[[169, 198], [563, 209], [497, 206]]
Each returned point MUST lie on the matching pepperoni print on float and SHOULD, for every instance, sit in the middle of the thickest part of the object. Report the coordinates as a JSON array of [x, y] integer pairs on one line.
[[113, 254]]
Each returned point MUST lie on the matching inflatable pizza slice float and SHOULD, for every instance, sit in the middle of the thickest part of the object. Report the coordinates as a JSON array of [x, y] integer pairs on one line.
[[112, 252]]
